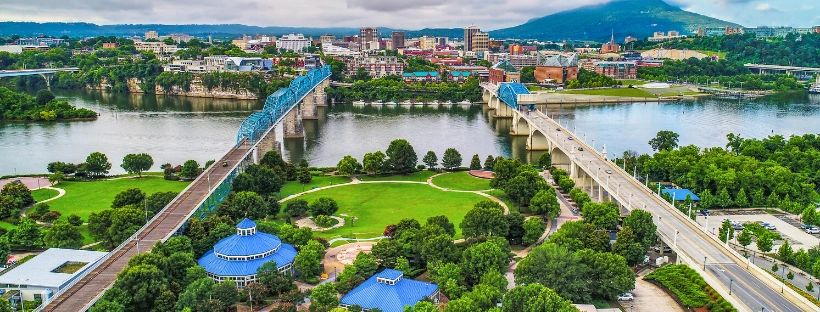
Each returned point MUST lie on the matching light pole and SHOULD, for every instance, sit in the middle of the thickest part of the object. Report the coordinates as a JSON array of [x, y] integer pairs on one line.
[[675, 241], [731, 281], [704, 263]]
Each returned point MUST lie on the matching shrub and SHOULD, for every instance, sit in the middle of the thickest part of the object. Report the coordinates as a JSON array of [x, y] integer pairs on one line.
[[50, 217], [323, 206], [75, 220], [324, 221]]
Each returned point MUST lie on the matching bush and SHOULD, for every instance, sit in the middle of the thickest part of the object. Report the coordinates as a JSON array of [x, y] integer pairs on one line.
[[323, 206], [38, 211], [324, 221], [565, 183], [75, 220], [296, 208], [689, 287], [50, 217]]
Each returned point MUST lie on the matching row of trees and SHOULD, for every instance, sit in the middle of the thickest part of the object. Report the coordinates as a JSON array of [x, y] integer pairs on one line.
[[393, 88], [43, 107], [769, 172], [727, 73]]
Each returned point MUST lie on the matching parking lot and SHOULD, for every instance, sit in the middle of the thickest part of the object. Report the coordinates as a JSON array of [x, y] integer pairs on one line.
[[788, 227]]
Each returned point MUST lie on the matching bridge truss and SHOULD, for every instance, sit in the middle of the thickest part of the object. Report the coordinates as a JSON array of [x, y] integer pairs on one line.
[[509, 91], [280, 103]]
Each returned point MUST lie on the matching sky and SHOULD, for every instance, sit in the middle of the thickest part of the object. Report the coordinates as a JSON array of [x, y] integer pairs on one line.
[[407, 14]]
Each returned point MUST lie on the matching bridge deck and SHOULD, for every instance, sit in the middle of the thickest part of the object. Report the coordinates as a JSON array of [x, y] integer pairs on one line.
[[82, 294], [673, 227]]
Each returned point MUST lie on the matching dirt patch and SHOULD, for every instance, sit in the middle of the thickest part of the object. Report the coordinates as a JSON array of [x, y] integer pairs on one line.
[[484, 174]]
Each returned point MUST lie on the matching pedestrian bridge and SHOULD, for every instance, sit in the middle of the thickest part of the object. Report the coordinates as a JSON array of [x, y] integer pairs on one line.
[[256, 135], [746, 286]]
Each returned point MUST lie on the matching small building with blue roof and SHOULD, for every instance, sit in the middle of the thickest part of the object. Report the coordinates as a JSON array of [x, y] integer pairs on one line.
[[679, 194], [389, 291], [238, 257]]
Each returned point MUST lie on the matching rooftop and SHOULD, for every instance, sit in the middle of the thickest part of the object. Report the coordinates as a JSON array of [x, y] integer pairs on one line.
[[375, 292], [680, 194], [242, 253], [40, 270]]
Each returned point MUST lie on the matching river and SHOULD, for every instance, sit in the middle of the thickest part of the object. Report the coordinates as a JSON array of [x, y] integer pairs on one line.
[[174, 129]]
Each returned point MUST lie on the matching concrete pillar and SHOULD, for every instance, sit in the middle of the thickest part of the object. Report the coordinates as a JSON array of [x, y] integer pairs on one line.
[[309, 108], [502, 110], [266, 144], [292, 125], [320, 98]]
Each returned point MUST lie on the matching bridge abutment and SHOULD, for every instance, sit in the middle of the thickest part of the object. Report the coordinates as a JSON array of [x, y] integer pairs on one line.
[[310, 109], [292, 124]]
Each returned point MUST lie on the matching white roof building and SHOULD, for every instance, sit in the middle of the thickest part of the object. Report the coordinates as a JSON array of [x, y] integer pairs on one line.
[[49, 272]]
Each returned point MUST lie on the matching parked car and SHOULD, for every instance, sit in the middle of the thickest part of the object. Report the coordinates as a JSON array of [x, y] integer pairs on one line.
[[813, 230], [581, 149], [626, 297], [768, 226], [703, 212], [570, 138]]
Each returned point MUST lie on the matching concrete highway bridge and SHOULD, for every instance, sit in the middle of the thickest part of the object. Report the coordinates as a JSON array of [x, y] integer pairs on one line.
[[746, 286], [257, 135], [46, 73]]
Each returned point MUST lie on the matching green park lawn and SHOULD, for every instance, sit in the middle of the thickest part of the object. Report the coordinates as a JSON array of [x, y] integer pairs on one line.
[[83, 198], [634, 82], [630, 92], [293, 187], [43, 194], [418, 176], [461, 180], [380, 204]]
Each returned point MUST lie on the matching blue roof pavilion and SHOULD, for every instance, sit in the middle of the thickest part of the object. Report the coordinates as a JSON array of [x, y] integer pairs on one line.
[[388, 291], [239, 256], [680, 194]]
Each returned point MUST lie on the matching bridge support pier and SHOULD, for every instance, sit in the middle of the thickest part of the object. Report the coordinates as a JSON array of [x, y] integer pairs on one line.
[[320, 97], [266, 144], [520, 126], [292, 125], [47, 78], [310, 109]]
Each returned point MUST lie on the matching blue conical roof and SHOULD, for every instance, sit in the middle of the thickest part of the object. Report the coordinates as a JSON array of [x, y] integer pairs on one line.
[[246, 224]]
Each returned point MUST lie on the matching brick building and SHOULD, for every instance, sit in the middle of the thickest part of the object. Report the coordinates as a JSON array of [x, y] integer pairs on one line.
[[503, 71], [617, 70], [557, 68]]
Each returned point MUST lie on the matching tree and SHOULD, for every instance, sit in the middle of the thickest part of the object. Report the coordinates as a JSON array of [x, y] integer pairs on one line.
[[309, 259], [629, 246], [296, 208], [741, 200], [402, 265], [481, 258], [26, 236], [576, 235], [545, 161], [545, 203], [348, 165], [664, 140], [602, 215], [504, 170], [744, 238], [451, 159], [524, 186], [387, 251], [764, 243], [323, 206], [155, 202], [373, 162], [444, 223], [144, 283], [304, 175], [785, 252], [244, 205], [430, 159], [810, 216], [75, 220], [489, 162], [726, 231], [515, 225], [324, 297], [485, 219], [133, 196], [276, 282], [63, 235], [439, 248], [475, 163], [640, 221], [43, 96], [137, 163], [96, 164], [533, 229], [401, 157], [535, 298], [196, 292], [190, 169]]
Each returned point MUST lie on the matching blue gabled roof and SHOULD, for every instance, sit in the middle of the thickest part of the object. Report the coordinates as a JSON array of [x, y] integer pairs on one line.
[[246, 224], [457, 73], [680, 194], [244, 245], [222, 267], [371, 294]]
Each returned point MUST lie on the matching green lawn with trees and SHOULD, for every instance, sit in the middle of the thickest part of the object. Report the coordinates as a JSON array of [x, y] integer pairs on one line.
[[84, 198], [626, 92], [462, 181], [43, 194], [293, 187], [377, 205], [418, 176]]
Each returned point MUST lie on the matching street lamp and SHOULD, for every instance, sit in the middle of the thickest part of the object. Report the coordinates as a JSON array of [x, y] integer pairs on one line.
[[731, 281]]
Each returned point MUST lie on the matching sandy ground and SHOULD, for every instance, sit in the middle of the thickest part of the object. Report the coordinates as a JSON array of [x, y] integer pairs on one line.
[[337, 258], [650, 298], [30, 182]]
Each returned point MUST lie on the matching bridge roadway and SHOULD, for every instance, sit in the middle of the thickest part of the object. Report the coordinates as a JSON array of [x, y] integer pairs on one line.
[[81, 295], [38, 71], [683, 236]]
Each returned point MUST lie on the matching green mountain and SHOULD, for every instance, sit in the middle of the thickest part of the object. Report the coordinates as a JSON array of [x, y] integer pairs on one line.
[[637, 18]]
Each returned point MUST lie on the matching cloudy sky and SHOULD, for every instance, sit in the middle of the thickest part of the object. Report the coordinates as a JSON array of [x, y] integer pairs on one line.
[[410, 14]]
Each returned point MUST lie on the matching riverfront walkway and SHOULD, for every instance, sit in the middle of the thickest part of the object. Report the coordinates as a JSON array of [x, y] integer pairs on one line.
[[81, 295]]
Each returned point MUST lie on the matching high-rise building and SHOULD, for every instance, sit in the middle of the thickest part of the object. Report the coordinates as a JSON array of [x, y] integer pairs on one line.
[[480, 42], [293, 42], [151, 34], [327, 39], [469, 31], [397, 39], [427, 43], [369, 38], [441, 41]]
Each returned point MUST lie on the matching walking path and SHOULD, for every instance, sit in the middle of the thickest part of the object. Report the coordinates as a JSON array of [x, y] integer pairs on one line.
[[60, 193]]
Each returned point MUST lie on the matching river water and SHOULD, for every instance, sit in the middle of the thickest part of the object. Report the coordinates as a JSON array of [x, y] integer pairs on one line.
[[174, 129]]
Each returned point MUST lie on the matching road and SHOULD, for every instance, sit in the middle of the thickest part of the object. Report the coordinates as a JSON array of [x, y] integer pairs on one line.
[[673, 226]]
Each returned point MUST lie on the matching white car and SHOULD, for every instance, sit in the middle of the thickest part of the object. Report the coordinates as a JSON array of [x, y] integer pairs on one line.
[[813, 230], [626, 297]]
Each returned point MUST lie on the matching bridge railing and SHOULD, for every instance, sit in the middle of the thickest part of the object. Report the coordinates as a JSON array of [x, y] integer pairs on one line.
[[279, 103]]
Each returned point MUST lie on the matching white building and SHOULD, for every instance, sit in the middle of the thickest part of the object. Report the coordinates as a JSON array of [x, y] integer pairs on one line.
[[49, 272], [332, 50], [159, 48], [293, 42]]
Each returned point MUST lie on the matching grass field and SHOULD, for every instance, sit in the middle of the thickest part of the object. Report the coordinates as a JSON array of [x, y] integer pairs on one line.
[[83, 198], [377, 205], [461, 180], [418, 176], [43, 194], [634, 82], [293, 187], [630, 92]]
